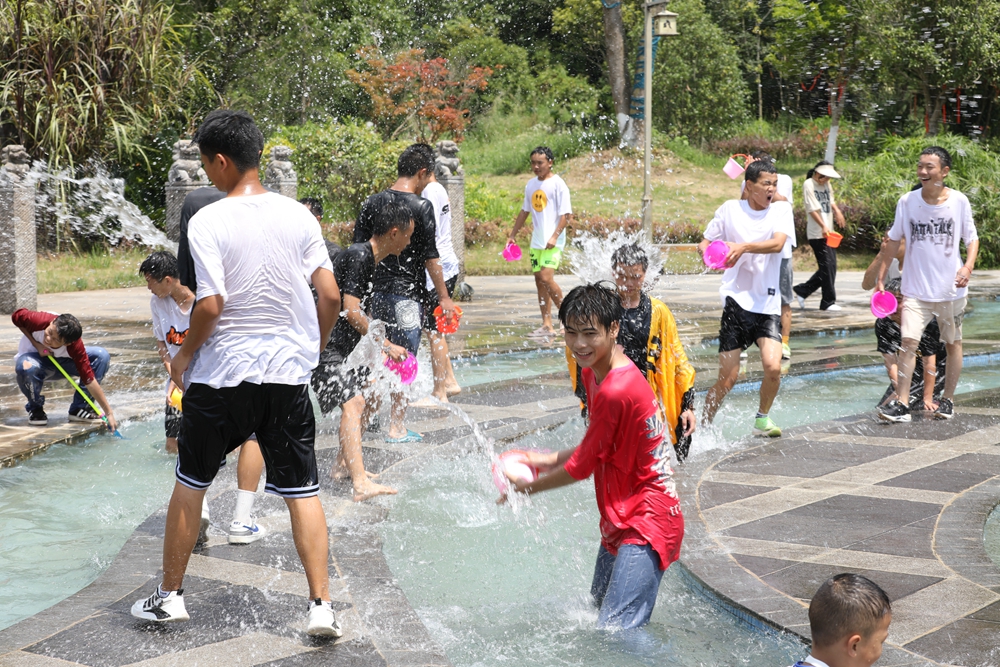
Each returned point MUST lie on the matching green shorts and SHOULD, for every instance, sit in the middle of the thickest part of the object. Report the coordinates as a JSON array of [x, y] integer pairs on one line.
[[545, 258]]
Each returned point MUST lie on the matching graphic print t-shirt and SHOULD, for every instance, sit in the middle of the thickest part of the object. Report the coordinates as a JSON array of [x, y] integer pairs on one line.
[[354, 269], [170, 323], [546, 201], [817, 198], [402, 275], [626, 452], [753, 281], [933, 235]]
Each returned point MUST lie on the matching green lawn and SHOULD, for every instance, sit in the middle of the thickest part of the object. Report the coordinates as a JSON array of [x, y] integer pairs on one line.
[[70, 272]]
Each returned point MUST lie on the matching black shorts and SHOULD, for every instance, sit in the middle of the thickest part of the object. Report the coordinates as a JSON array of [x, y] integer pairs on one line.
[[335, 383], [431, 301], [172, 421], [217, 421], [741, 328]]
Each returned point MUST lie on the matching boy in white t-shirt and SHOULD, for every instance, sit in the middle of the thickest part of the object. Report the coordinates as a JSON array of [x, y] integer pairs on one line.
[[171, 306], [784, 193], [756, 231], [546, 199], [254, 338], [934, 221]]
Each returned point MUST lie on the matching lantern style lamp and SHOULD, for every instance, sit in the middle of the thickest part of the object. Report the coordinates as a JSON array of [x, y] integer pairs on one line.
[[665, 24]]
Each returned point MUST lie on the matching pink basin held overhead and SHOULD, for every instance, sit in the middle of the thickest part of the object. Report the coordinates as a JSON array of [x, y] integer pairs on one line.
[[733, 169], [884, 304], [715, 255]]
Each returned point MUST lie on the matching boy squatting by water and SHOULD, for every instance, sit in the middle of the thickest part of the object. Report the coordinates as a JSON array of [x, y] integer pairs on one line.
[[338, 380], [254, 359], [546, 199], [755, 230], [648, 336], [171, 306], [625, 450]]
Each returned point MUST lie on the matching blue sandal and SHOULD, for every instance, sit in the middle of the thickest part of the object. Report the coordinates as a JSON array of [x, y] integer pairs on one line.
[[411, 436]]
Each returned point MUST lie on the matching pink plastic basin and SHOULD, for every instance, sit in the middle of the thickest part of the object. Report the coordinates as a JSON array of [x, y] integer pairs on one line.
[[514, 463], [405, 369], [733, 169], [715, 255], [512, 252], [884, 304]]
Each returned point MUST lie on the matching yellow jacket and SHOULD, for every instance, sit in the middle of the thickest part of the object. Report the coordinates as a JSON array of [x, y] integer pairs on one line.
[[668, 370]]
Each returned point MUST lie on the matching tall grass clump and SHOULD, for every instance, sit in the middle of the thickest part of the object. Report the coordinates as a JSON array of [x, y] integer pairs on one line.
[[872, 187]]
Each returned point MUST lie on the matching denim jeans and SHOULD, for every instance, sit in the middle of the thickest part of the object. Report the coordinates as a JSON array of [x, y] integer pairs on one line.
[[33, 371], [403, 317], [625, 586]]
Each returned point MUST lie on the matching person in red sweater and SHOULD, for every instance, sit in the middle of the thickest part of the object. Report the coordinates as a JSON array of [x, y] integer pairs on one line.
[[625, 450], [48, 334]]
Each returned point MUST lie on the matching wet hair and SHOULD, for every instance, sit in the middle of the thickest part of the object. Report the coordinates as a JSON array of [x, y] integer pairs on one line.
[[943, 155], [382, 212], [809, 174], [233, 134], [544, 150], [755, 169], [160, 265], [414, 158], [314, 205], [762, 155], [630, 255], [68, 328], [844, 605], [598, 303]]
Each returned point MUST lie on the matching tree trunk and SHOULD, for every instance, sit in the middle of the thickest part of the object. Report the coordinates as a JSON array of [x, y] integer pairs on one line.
[[836, 109], [614, 49]]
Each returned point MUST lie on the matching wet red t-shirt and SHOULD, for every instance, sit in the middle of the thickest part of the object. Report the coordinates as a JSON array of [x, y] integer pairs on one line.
[[625, 449]]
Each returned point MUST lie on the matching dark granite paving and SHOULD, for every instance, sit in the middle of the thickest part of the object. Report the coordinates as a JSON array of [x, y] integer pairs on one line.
[[902, 504], [248, 603]]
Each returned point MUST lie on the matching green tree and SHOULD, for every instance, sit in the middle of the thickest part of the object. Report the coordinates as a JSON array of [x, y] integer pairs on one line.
[[85, 78]]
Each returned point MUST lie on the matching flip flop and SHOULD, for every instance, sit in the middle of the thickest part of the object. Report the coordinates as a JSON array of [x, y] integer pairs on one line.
[[411, 436]]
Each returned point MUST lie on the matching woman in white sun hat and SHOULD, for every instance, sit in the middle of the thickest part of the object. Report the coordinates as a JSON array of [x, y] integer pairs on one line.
[[821, 213]]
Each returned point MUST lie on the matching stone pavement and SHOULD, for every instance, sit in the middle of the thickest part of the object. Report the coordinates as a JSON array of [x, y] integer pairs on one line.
[[903, 504], [248, 603]]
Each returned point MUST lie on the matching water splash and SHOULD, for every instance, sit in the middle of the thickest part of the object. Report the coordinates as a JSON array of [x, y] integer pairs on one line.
[[590, 256]]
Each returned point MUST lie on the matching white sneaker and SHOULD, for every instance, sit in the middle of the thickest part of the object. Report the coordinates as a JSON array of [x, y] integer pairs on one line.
[[743, 354], [322, 620], [833, 307], [241, 533], [159, 609], [802, 302]]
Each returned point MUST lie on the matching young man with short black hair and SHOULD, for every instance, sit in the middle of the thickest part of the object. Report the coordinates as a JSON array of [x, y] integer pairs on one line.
[[60, 336], [257, 333], [934, 220], [339, 380], [399, 281], [755, 230]]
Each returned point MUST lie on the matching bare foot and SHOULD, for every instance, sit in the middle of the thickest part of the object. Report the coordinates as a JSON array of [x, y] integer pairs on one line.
[[453, 390], [339, 471], [370, 489], [443, 396]]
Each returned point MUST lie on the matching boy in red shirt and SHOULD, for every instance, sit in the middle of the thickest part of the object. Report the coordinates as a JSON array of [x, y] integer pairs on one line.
[[625, 449], [48, 334]]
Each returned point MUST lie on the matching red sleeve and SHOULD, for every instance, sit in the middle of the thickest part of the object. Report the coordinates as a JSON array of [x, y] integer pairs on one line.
[[597, 443], [78, 353], [31, 320]]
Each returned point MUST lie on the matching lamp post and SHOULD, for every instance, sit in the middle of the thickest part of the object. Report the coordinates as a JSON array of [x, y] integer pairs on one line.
[[665, 24]]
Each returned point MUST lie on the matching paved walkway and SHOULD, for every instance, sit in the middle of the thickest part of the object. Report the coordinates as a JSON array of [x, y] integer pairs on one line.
[[902, 504]]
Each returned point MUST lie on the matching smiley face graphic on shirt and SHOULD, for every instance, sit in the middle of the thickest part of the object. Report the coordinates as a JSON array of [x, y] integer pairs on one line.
[[539, 201]]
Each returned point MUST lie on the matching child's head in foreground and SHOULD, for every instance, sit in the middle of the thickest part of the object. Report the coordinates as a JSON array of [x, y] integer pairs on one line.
[[849, 618], [590, 314], [629, 264]]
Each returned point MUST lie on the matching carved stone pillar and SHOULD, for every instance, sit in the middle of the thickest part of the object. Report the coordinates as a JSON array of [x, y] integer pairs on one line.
[[450, 174], [185, 175], [279, 174], [18, 281]]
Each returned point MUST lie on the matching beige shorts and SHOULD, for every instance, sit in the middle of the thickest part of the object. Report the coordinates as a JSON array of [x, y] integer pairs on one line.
[[917, 314]]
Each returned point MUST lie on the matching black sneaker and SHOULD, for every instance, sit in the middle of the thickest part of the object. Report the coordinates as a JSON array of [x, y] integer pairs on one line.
[[84, 415], [38, 418], [945, 409], [894, 411]]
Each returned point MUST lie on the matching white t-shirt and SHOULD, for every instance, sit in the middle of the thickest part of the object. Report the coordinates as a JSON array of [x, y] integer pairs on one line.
[[817, 198], [437, 195], [170, 323], [547, 201], [932, 237], [754, 281], [24, 345], [785, 190], [258, 253]]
